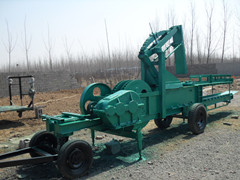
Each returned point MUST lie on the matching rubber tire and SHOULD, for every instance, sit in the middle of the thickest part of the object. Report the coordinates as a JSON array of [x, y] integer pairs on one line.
[[197, 118], [64, 158], [45, 141], [163, 123]]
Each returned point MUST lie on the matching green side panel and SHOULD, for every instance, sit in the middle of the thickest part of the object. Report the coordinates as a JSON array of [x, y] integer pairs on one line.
[[178, 98], [153, 105]]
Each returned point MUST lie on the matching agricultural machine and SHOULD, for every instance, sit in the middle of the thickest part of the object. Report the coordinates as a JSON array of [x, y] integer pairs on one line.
[[127, 108], [17, 83]]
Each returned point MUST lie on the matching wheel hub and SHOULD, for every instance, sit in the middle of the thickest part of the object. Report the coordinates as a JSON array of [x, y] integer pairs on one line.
[[201, 120], [76, 158]]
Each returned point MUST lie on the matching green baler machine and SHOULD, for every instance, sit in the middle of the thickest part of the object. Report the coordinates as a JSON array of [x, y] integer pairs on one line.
[[127, 108]]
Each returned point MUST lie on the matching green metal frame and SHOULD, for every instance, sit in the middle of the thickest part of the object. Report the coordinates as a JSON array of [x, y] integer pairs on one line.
[[128, 108]]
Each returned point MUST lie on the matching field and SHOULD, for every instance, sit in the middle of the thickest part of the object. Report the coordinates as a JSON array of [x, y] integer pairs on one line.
[[171, 154]]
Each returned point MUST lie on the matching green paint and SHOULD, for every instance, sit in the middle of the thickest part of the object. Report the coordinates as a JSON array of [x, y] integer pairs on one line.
[[128, 108]]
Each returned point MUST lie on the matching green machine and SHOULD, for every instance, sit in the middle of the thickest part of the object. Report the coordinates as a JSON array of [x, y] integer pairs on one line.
[[127, 108]]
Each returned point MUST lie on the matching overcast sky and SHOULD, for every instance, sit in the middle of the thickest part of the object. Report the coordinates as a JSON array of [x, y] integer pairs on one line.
[[80, 24]]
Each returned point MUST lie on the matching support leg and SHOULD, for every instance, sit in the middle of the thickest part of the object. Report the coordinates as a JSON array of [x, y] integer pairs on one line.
[[139, 141], [93, 137]]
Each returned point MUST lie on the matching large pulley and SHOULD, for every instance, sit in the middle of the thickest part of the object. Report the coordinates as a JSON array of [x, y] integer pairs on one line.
[[91, 95], [138, 86]]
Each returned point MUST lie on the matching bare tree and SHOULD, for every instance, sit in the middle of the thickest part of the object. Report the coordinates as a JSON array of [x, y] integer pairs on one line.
[[237, 16], [193, 23], [27, 43], [156, 23], [186, 40], [226, 16], [209, 13], [49, 48], [199, 49], [10, 46], [171, 17], [68, 48], [109, 56], [84, 55], [233, 46]]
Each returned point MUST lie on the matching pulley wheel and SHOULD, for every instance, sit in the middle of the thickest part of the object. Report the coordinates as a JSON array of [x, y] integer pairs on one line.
[[92, 94], [138, 86], [119, 85]]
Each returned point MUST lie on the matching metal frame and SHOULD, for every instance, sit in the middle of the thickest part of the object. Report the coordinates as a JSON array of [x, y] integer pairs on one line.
[[43, 157], [21, 94], [164, 95], [20, 109]]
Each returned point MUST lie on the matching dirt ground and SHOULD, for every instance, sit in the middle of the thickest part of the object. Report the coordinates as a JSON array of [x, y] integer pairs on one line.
[[11, 126], [170, 154]]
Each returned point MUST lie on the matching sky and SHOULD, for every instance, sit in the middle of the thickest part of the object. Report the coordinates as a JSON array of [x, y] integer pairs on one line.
[[81, 24]]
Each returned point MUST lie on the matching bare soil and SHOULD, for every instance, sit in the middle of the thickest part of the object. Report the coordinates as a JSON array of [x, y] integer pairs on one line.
[[174, 153], [12, 126]]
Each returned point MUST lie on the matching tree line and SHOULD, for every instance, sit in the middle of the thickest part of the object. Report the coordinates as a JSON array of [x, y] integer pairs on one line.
[[206, 44]]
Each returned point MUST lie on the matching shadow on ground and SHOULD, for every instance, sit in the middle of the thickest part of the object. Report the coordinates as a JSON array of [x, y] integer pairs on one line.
[[128, 155], [6, 124]]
